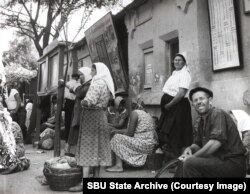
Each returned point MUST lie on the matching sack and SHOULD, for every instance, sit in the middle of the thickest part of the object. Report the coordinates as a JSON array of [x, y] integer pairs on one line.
[[46, 144]]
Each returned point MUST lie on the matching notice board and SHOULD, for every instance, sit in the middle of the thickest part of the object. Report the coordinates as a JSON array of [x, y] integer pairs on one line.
[[224, 39]]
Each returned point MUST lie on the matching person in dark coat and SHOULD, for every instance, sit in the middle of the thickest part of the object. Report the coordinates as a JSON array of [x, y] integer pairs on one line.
[[69, 103], [80, 91], [217, 150]]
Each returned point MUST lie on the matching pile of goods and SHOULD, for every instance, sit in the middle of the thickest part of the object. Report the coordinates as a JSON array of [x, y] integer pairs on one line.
[[62, 173]]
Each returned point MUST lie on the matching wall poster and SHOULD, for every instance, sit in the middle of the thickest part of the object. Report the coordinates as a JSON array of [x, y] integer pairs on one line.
[[224, 40], [103, 47], [247, 6]]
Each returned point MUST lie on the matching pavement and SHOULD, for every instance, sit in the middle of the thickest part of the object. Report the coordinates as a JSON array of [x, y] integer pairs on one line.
[[26, 182]]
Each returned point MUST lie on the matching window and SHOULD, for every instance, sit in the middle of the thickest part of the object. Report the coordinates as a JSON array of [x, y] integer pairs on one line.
[[148, 67], [54, 70], [85, 62], [172, 50], [43, 77]]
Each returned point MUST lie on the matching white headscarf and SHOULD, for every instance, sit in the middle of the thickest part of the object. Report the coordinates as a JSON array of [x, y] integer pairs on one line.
[[102, 72], [243, 120], [86, 71]]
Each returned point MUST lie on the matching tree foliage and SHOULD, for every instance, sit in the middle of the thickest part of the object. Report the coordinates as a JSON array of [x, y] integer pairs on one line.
[[41, 20], [20, 60], [21, 52]]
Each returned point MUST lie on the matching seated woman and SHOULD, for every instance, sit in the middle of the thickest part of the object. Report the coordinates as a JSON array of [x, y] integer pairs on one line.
[[12, 152], [132, 145], [118, 117]]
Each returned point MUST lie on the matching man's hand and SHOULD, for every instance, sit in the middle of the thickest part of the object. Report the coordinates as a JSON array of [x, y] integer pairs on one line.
[[187, 153]]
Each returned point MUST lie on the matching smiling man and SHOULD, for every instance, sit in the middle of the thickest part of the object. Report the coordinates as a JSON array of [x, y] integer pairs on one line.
[[217, 150]]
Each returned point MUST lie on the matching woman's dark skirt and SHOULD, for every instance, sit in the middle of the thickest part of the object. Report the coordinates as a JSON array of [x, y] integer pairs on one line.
[[175, 125]]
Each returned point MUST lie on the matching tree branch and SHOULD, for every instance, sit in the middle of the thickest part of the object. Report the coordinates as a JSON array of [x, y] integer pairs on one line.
[[37, 10]]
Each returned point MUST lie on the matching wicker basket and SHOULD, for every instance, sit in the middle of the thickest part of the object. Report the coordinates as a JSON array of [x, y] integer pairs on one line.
[[154, 161], [62, 179]]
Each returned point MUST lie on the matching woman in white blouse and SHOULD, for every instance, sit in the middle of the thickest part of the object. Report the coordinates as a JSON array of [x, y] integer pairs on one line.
[[175, 124]]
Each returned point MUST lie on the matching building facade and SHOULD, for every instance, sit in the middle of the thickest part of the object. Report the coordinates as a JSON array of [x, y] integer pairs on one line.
[[159, 29]]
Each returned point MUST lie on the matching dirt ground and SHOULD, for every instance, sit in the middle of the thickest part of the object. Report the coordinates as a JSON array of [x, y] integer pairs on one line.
[[26, 182]]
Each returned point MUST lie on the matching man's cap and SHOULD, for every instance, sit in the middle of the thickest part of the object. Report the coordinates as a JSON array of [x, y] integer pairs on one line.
[[197, 89]]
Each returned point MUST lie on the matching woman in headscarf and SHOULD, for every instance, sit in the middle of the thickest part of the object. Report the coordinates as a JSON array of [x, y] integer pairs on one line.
[[133, 144], [175, 123], [12, 150], [119, 117], [93, 147], [80, 91]]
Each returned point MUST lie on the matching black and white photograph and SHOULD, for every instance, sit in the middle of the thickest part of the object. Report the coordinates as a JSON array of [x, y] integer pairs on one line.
[[133, 91]]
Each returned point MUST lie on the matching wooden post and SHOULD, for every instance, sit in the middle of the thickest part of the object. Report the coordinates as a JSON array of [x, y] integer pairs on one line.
[[57, 141], [38, 118], [60, 101]]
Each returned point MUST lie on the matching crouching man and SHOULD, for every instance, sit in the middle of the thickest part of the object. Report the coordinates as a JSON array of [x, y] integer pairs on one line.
[[217, 150]]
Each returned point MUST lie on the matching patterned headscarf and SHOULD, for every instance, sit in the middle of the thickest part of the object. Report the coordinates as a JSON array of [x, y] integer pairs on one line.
[[102, 72]]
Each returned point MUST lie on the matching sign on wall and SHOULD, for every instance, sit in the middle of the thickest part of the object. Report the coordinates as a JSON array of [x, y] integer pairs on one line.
[[103, 47], [225, 50], [247, 6]]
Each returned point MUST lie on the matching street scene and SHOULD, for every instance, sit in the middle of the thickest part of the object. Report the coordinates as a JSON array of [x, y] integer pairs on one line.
[[122, 89]]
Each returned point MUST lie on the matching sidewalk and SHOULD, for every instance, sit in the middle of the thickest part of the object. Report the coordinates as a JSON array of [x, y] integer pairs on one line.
[[25, 182]]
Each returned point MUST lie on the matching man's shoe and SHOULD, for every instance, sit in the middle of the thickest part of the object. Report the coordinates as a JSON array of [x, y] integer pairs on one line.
[[76, 188]]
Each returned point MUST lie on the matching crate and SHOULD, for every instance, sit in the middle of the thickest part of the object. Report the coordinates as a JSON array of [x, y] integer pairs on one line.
[[154, 161]]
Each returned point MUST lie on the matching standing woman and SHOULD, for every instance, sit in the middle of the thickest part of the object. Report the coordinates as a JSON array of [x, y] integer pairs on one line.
[[175, 124], [13, 101], [93, 147], [80, 91]]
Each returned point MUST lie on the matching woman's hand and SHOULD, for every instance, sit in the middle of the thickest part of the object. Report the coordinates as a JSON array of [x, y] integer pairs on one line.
[[167, 107], [84, 103]]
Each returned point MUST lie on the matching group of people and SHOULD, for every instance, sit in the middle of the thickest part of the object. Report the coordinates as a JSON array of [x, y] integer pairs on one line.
[[214, 148], [97, 126], [103, 135], [12, 150], [208, 150]]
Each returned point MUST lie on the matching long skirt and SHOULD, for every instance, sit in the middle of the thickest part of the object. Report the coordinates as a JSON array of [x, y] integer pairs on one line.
[[69, 106], [175, 125], [93, 146]]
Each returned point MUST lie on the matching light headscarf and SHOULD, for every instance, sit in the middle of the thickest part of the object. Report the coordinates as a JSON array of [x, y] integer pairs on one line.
[[102, 72], [86, 71], [243, 120], [183, 55]]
